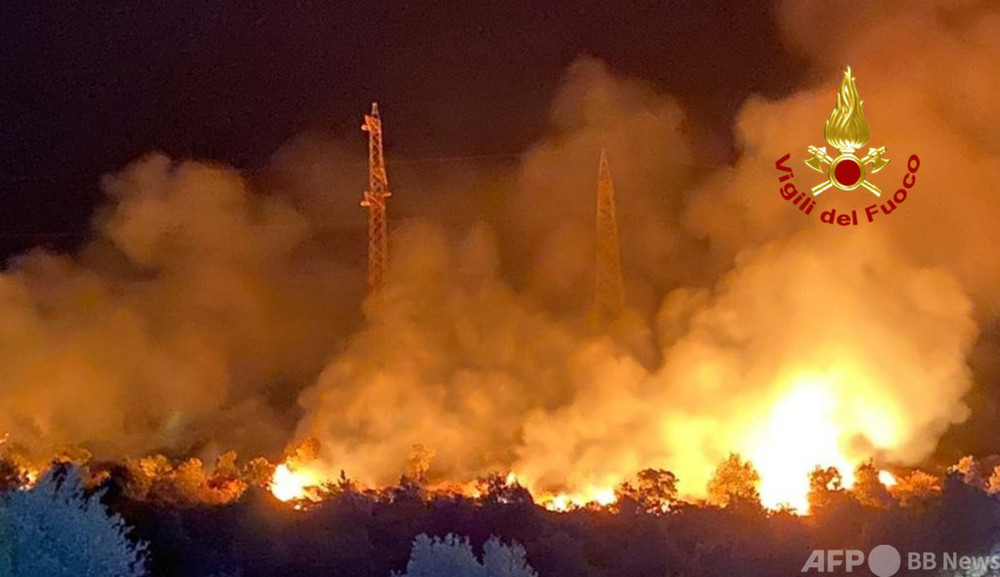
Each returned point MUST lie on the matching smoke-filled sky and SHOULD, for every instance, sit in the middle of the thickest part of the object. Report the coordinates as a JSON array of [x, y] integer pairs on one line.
[[89, 87], [208, 307]]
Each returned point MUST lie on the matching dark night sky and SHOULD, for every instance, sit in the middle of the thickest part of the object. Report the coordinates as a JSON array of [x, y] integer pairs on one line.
[[89, 86]]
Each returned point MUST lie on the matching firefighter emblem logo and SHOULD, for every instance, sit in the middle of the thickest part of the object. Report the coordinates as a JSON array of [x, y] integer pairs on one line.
[[847, 131]]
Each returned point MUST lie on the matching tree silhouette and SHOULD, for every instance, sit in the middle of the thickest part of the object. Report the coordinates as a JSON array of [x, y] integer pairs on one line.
[[968, 469], [655, 491], [453, 557], [54, 530], [993, 485], [826, 490], [918, 490], [13, 475], [868, 489], [735, 482]]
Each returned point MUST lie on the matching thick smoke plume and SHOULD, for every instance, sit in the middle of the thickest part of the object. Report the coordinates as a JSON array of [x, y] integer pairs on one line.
[[183, 322], [206, 302]]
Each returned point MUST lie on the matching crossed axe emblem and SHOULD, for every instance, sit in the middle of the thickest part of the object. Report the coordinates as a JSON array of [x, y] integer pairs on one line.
[[848, 177]]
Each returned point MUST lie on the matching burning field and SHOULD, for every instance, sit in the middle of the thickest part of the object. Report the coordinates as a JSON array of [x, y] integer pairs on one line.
[[212, 346]]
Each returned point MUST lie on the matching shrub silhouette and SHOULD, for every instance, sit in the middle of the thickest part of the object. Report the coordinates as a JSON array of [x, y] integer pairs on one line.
[[453, 557], [56, 531]]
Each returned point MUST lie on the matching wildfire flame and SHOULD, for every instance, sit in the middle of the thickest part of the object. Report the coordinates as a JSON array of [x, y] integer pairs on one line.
[[293, 485], [32, 478], [562, 502], [799, 435], [805, 429], [847, 129], [814, 420], [592, 495]]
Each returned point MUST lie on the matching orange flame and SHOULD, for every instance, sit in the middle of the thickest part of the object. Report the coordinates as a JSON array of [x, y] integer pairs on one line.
[[592, 496], [887, 479], [807, 427], [293, 485]]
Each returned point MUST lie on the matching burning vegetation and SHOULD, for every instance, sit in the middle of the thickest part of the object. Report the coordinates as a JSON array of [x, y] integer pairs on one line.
[[168, 482], [257, 518], [753, 386], [213, 310]]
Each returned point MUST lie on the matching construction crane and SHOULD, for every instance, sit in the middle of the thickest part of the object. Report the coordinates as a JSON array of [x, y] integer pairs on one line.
[[375, 201]]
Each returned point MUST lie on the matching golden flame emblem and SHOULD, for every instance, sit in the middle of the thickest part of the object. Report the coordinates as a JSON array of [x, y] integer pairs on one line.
[[847, 131]]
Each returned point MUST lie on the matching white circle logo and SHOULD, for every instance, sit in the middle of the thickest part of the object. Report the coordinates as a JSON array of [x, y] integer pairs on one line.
[[884, 560]]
